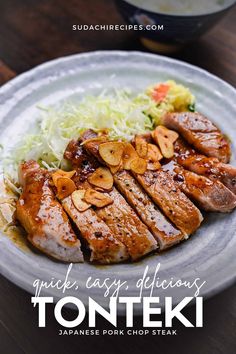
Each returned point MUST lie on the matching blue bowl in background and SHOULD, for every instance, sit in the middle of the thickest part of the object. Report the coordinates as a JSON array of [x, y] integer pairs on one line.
[[178, 29]]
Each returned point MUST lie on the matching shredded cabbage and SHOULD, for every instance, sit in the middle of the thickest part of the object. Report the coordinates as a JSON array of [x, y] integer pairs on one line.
[[123, 114]]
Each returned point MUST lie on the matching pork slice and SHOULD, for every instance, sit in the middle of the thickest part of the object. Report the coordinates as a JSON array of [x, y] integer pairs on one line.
[[171, 200], [125, 223], [43, 217], [209, 167], [200, 132], [104, 247], [163, 230], [83, 163], [209, 195]]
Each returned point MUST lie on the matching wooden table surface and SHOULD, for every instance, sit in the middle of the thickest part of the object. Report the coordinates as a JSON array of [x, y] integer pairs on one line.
[[32, 32]]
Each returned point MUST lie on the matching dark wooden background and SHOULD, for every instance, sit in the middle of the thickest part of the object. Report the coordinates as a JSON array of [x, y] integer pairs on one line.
[[32, 32]]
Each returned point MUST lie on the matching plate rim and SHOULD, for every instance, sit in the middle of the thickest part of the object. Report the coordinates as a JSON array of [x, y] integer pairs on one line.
[[123, 53]]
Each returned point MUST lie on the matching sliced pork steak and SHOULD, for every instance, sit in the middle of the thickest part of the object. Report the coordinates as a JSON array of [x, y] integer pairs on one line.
[[209, 167], [43, 217], [119, 216], [171, 200], [162, 229], [104, 247], [166, 194], [123, 221], [165, 233], [199, 132], [209, 195]]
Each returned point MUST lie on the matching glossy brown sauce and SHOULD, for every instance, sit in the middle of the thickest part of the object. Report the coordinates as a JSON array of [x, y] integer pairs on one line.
[[8, 225]]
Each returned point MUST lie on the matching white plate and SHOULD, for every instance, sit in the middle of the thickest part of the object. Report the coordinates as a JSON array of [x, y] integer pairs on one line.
[[209, 254]]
